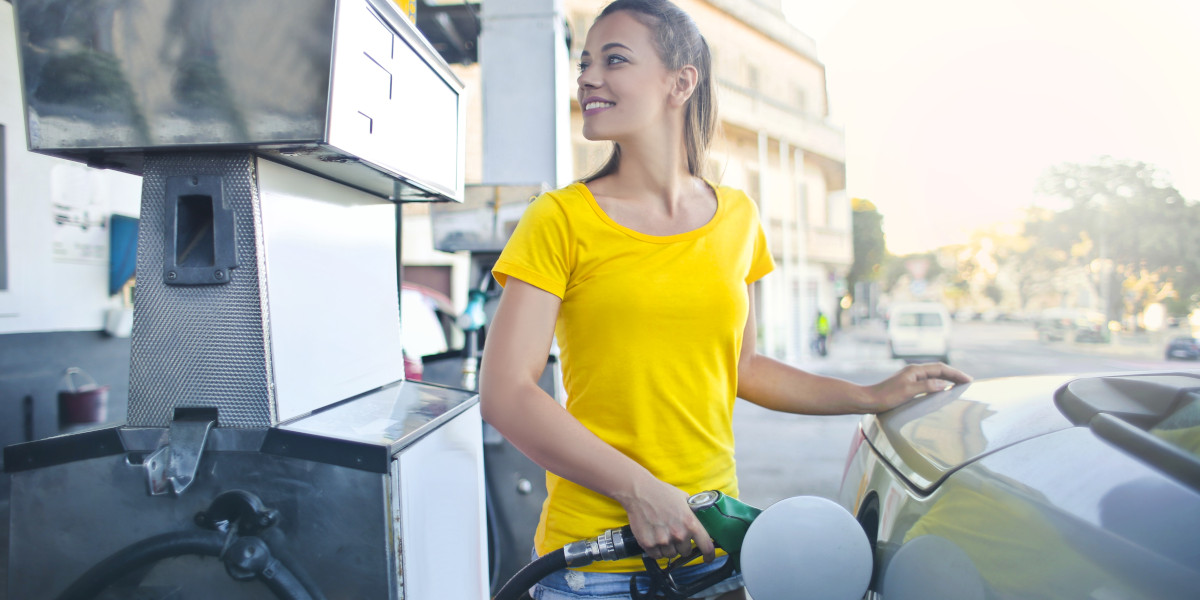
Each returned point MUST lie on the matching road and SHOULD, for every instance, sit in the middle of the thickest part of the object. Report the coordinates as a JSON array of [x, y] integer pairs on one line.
[[782, 455]]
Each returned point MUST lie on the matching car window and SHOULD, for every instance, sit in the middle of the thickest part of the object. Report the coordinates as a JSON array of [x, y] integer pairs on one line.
[[1182, 427], [919, 320], [930, 320]]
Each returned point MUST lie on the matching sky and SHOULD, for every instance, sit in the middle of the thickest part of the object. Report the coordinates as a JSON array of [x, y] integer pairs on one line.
[[953, 108]]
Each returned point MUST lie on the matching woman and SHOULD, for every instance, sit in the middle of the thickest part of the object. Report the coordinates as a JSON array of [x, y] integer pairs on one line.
[[645, 271]]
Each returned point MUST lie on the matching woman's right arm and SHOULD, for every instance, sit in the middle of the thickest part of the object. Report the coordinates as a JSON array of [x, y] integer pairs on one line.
[[514, 356]]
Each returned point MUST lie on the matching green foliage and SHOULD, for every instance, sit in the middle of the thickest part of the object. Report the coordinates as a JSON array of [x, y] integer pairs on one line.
[[898, 266], [994, 293], [1124, 218], [870, 247]]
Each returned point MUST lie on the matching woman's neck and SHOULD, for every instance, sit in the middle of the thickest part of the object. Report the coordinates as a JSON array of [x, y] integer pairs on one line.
[[654, 194], [652, 172]]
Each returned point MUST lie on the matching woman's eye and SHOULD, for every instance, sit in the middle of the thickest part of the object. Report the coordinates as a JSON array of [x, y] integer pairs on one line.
[[582, 66], [615, 58]]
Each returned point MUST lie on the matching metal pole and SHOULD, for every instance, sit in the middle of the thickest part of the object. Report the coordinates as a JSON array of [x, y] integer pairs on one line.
[[767, 319], [806, 324], [524, 62], [792, 335]]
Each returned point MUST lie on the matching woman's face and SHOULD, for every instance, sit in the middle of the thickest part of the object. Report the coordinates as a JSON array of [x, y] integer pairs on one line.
[[623, 84]]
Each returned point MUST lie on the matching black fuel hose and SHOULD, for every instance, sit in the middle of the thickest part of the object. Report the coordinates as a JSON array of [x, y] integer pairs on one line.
[[531, 574], [613, 544], [280, 580]]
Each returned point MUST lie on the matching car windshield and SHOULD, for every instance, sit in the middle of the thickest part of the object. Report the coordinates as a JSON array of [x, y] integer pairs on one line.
[[919, 320]]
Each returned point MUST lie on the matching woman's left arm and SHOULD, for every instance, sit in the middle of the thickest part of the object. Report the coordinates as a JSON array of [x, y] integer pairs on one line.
[[779, 386]]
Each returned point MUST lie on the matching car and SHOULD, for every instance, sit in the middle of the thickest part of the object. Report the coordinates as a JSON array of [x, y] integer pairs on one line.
[[1183, 347], [426, 322], [1047, 486], [1072, 325], [919, 330]]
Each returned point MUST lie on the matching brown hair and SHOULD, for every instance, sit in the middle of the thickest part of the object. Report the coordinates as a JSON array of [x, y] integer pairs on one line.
[[679, 44]]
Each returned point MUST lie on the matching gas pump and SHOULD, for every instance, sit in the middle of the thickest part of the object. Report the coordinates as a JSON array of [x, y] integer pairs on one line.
[[272, 449]]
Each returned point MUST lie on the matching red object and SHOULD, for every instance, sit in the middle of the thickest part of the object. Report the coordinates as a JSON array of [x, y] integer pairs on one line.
[[87, 403], [414, 368]]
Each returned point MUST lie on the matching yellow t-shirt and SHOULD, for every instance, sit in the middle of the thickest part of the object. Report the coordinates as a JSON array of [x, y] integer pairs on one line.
[[650, 330]]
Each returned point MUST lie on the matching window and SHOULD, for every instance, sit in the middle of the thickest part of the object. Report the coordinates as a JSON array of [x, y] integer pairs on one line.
[[752, 187], [919, 320], [752, 77]]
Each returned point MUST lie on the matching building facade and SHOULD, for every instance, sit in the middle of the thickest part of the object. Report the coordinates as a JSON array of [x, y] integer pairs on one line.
[[776, 143]]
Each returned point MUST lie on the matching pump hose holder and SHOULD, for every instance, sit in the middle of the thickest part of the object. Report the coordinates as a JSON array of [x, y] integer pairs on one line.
[[229, 533]]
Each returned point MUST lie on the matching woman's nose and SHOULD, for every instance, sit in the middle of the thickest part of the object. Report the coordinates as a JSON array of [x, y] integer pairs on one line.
[[586, 79]]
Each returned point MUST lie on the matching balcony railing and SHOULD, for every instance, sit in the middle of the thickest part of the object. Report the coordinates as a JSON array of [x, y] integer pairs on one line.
[[830, 246], [822, 244], [753, 110]]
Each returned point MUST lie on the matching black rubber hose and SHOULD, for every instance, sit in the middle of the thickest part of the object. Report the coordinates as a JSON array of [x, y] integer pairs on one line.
[[540, 568], [285, 584], [531, 574], [279, 549], [168, 545]]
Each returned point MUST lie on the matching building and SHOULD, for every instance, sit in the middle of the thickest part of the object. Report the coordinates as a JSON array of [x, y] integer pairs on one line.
[[777, 144]]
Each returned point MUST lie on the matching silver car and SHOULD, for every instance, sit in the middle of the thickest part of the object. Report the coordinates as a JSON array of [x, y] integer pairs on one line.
[[1034, 487]]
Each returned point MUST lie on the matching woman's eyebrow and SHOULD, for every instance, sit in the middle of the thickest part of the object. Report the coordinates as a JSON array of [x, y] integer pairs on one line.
[[607, 47]]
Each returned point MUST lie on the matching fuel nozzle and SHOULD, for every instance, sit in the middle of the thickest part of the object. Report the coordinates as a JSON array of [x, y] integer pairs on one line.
[[725, 519]]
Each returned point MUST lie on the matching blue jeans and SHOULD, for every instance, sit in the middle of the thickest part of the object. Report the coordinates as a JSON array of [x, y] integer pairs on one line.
[[580, 585]]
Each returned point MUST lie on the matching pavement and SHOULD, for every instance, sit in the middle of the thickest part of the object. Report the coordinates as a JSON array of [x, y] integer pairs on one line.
[[867, 337]]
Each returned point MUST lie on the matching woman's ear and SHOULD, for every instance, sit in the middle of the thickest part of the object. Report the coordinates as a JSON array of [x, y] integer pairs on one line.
[[685, 84]]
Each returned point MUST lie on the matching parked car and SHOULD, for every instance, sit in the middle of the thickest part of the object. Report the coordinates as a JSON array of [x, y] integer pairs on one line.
[[919, 330], [426, 318], [1184, 347], [1076, 325], [1034, 487]]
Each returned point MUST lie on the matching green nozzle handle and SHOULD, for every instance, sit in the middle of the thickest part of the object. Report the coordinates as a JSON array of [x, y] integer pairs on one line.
[[725, 519]]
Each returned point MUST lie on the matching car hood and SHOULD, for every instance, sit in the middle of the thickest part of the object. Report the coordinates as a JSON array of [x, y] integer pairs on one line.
[[929, 438]]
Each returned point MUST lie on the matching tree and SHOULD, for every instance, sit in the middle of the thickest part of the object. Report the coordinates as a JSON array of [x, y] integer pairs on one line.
[[870, 247], [1129, 224], [1039, 262], [897, 267]]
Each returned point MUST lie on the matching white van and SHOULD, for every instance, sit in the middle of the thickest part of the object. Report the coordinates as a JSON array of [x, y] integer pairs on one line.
[[919, 330]]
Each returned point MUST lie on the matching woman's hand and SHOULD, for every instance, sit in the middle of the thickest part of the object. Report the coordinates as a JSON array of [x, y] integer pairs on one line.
[[663, 524], [911, 381]]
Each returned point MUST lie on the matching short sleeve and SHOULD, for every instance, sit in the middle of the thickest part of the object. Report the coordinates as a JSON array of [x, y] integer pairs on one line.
[[539, 249], [761, 262]]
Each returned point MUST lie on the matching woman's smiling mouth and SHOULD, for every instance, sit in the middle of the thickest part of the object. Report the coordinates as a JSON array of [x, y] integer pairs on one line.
[[592, 105]]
